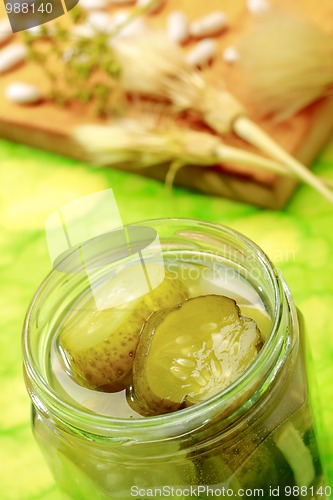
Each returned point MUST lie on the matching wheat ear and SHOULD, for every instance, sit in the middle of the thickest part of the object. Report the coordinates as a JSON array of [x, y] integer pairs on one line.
[[145, 143], [155, 66]]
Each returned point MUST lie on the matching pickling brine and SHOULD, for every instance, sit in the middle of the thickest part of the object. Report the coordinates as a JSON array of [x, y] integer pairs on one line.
[[180, 374], [104, 383]]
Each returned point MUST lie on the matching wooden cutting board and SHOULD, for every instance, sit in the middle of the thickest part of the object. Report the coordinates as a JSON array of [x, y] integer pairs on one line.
[[49, 126]]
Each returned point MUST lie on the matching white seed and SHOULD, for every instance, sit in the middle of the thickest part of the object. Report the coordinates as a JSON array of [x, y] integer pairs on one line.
[[230, 55], [100, 21], [94, 4], [178, 372], [202, 53], [215, 368], [199, 379], [210, 25], [208, 327], [5, 31], [188, 363], [183, 339], [23, 93], [178, 26], [144, 3], [257, 6], [12, 56]]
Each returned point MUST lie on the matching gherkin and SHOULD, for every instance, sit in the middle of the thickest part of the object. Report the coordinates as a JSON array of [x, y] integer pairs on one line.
[[190, 353], [99, 345]]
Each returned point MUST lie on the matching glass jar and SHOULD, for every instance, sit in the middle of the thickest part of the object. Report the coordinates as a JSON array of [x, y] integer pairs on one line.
[[254, 438]]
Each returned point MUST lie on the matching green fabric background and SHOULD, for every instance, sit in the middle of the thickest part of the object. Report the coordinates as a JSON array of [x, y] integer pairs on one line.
[[299, 240]]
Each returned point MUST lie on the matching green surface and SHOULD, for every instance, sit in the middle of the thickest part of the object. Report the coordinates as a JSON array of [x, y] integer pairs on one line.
[[33, 183]]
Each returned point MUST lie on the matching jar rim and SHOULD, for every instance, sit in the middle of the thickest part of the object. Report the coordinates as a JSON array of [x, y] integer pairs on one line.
[[194, 416]]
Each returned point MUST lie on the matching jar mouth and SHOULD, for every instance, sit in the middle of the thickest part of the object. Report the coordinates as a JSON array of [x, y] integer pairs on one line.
[[251, 383]]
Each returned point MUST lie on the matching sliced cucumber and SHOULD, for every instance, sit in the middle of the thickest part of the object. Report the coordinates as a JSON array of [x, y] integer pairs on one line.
[[299, 457], [99, 345], [190, 353]]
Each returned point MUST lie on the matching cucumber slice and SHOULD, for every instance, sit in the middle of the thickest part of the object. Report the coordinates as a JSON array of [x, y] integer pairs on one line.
[[189, 354], [99, 345], [260, 316], [292, 446]]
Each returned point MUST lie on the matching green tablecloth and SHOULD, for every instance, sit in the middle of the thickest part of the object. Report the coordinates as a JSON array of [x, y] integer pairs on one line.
[[299, 240]]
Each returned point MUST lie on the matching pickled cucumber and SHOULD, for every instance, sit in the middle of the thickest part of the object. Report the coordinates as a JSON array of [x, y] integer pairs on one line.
[[297, 454], [99, 345], [190, 353]]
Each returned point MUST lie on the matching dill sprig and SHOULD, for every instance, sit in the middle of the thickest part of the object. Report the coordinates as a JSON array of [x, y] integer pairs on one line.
[[81, 68]]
